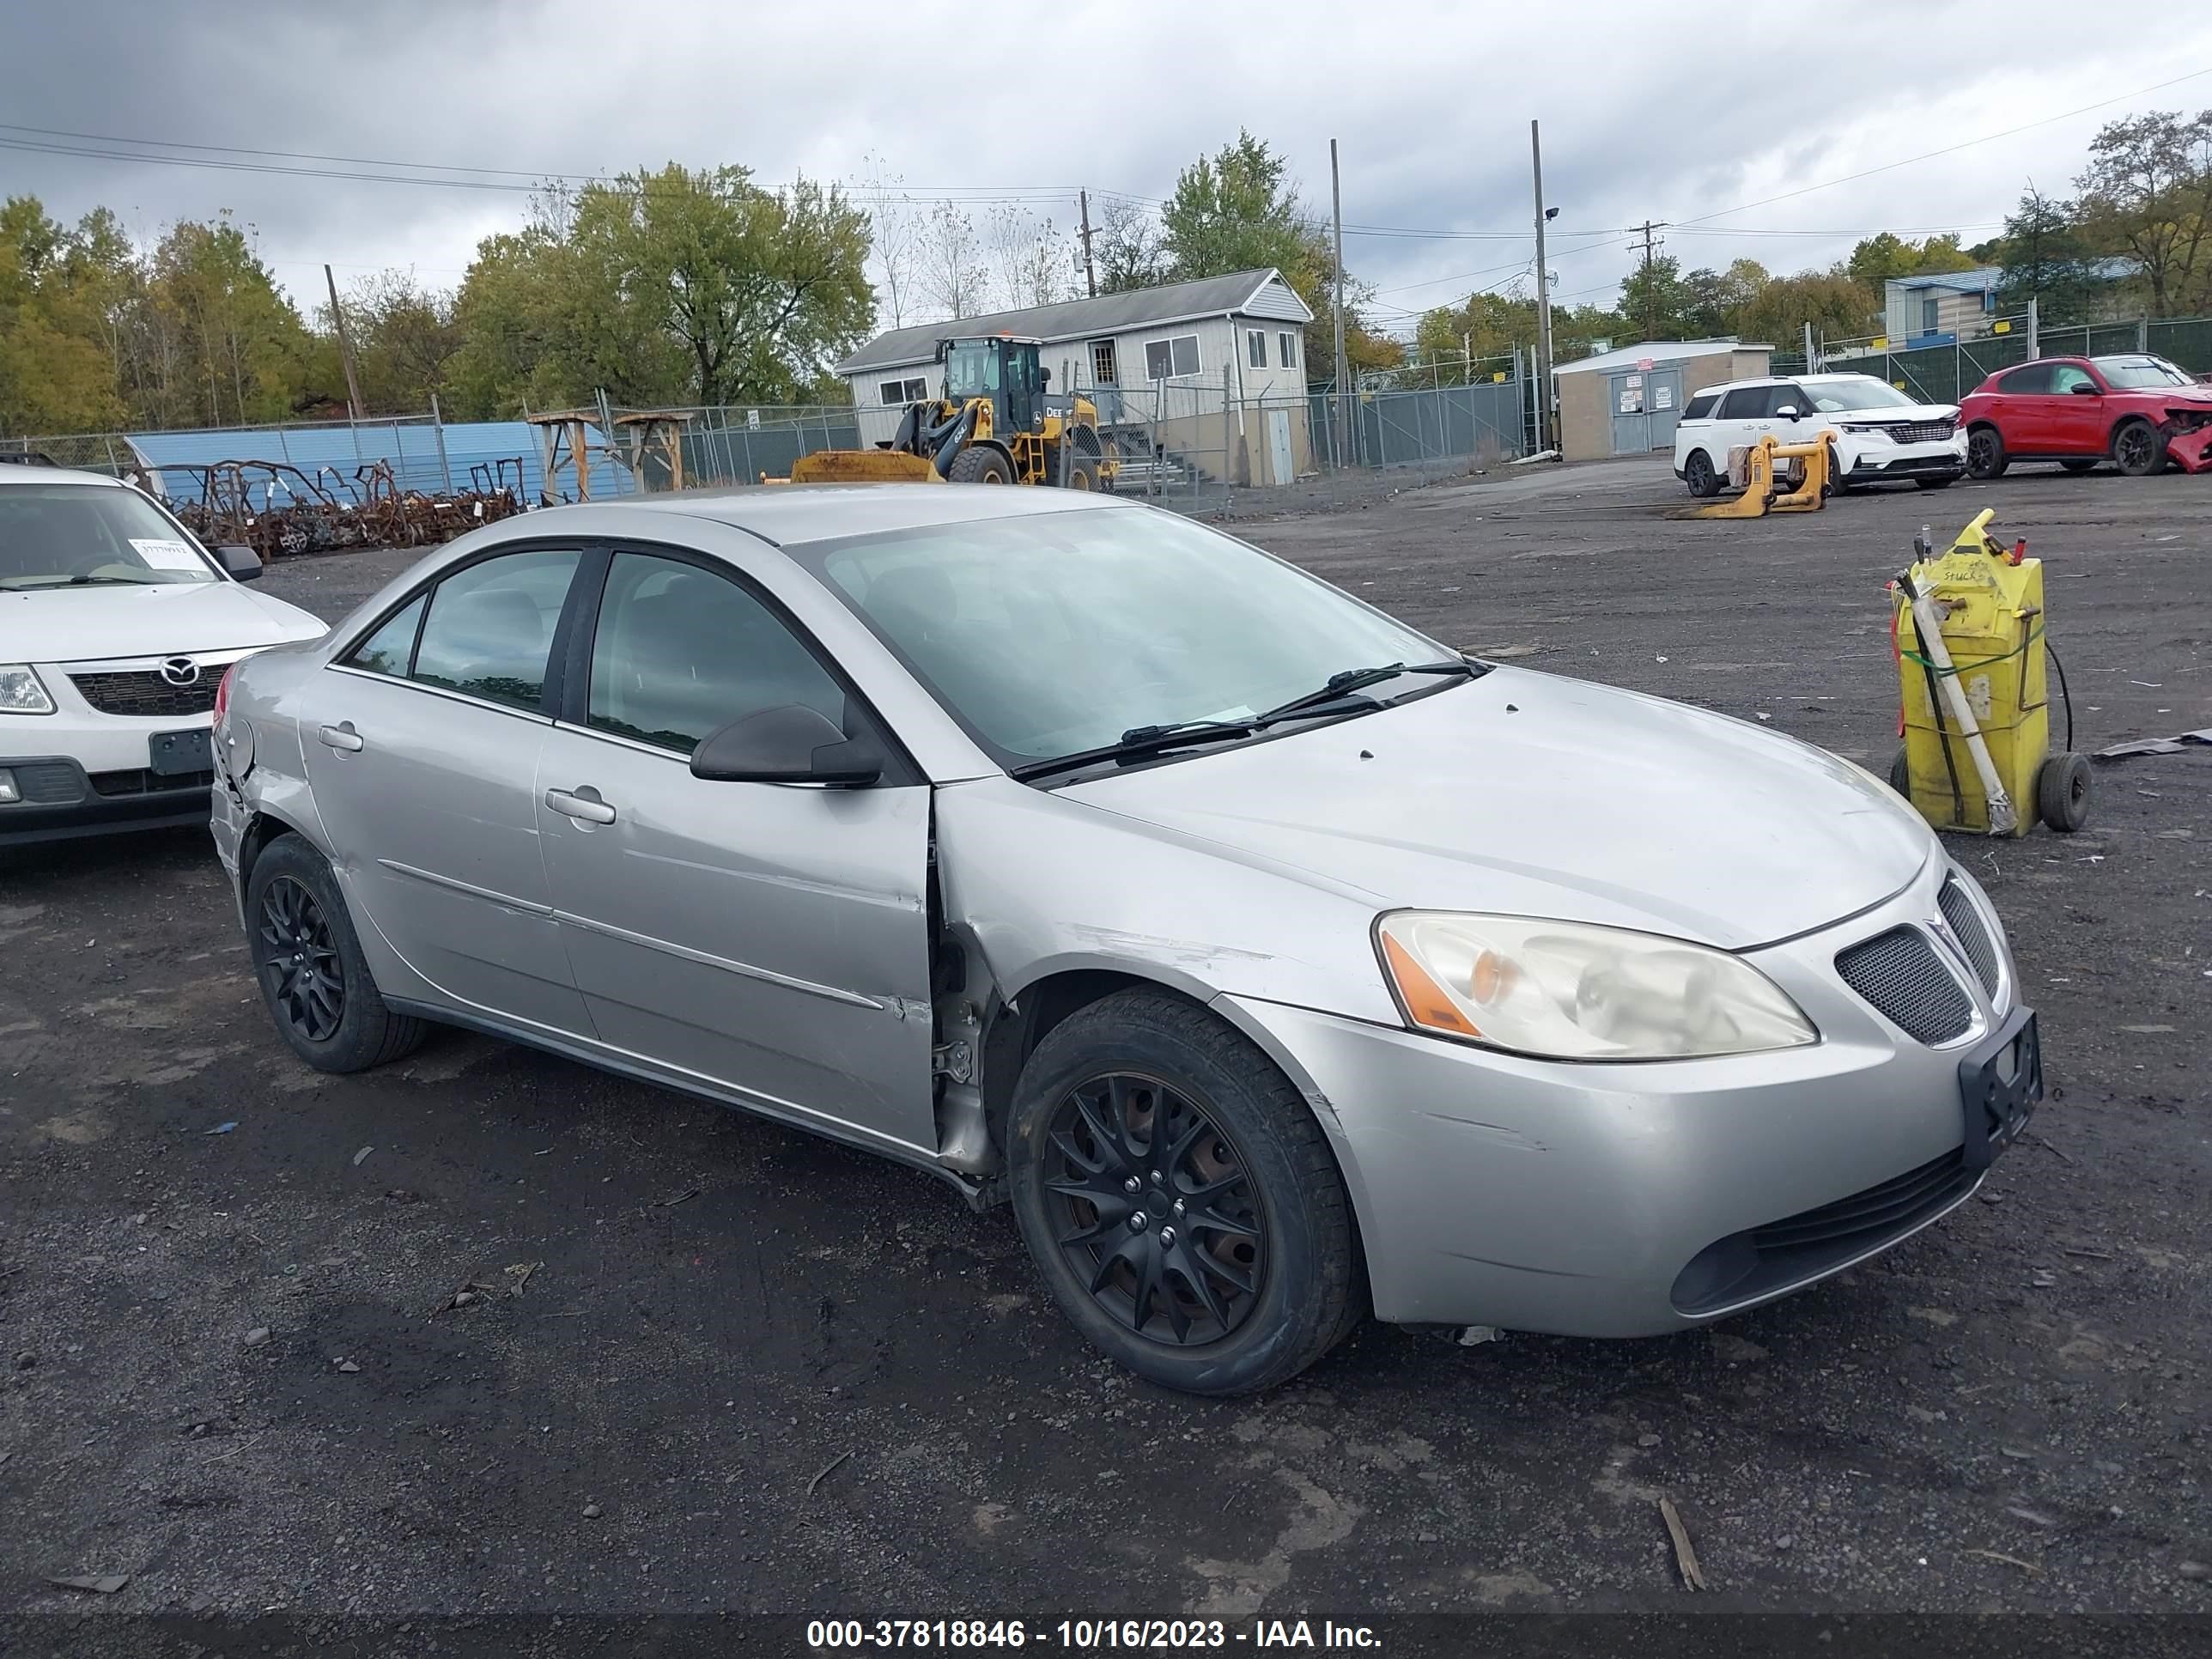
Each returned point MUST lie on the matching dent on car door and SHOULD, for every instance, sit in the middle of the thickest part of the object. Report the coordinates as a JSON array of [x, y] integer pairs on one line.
[[422, 750], [771, 938]]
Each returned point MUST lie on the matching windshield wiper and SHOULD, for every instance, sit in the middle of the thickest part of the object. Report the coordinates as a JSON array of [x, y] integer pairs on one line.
[[1340, 686], [1139, 742]]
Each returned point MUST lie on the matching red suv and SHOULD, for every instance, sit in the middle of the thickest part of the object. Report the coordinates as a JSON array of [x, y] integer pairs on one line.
[[2081, 411]]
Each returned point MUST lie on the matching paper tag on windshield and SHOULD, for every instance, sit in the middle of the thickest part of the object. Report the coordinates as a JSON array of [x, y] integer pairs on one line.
[[167, 554]]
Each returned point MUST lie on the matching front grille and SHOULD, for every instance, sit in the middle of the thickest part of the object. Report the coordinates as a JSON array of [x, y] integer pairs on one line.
[[1766, 1260], [1973, 934], [145, 782], [1920, 432], [144, 692], [1899, 973], [47, 783]]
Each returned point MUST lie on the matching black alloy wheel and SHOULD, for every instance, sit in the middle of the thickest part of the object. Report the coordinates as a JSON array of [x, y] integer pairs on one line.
[[300, 963], [1154, 1209], [2139, 449], [1985, 455]]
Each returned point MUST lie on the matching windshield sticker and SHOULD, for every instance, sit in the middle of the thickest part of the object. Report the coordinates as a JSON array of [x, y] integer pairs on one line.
[[163, 554]]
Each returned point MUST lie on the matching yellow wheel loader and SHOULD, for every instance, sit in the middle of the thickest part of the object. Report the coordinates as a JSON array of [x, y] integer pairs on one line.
[[994, 423]]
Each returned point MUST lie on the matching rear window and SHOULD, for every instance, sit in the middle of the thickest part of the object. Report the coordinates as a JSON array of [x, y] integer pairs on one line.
[[2035, 377], [1700, 408], [87, 535]]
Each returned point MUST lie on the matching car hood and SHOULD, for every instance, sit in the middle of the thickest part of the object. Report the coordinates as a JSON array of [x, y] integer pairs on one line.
[[1896, 415], [93, 624], [1525, 794]]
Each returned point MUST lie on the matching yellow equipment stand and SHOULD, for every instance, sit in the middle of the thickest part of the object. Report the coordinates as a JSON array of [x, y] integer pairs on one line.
[[1990, 598], [1759, 495]]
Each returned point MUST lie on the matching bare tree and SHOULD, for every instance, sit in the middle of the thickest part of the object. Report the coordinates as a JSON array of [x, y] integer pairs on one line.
[[896, 228], [950, 261], [1128, 246], [1032, 264]]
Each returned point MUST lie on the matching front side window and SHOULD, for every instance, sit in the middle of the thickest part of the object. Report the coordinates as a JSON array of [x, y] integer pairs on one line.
[[1050, 633], [2065, 377], [490, 628], [681, 651], [89, 535]]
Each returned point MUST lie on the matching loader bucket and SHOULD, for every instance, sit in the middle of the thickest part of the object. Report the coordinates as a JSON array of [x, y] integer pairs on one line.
[[862, 466]]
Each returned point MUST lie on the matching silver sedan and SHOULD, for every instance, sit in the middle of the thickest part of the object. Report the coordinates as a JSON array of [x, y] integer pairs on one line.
[[1274, 961]]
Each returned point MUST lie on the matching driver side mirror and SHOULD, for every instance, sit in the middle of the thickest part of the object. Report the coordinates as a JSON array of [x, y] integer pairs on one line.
[[1787, 412], [2083, 389], [241, 563], [791, 744], [1044, 377]]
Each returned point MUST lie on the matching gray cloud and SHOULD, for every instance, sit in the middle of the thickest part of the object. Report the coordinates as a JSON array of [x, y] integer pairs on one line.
[[1643, 117]]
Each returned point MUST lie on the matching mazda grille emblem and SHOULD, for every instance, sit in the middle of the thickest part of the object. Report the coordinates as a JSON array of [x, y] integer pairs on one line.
[[181, 671]]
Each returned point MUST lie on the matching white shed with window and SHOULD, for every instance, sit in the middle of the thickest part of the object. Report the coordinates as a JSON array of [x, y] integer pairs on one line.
[[1166, 351]]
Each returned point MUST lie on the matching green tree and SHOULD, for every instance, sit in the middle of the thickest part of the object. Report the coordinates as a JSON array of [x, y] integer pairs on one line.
[[1837, 304], [2146, 193], [1713, 300], [1237, 211], [1655, 300], [2047, 260], [55, 376], [404, 339], [232, 348]]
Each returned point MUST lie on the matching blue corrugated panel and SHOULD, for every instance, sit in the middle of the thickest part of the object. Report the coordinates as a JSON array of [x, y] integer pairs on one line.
[[335, 451]]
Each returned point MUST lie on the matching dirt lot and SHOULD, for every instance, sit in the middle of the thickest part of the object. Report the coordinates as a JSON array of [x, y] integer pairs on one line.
[[2010, 1411]]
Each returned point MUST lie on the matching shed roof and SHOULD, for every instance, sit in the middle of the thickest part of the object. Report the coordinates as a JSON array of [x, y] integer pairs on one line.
[[1077, 319], [1659, 351]]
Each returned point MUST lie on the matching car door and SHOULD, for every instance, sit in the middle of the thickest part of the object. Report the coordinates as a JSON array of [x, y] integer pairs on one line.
[[2025, 420], [2077, 421], [1742, 421], [421, 748], [770, 938]]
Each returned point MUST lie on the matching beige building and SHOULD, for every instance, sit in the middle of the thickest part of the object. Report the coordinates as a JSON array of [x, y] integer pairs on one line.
[[1626, 402]]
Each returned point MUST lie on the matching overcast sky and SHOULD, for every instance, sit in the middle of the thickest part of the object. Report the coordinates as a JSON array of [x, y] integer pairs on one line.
[[1668, 112]]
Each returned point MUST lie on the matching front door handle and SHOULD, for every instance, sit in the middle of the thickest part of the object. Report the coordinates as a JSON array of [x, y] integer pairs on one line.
[[342, 737], [587, 807]]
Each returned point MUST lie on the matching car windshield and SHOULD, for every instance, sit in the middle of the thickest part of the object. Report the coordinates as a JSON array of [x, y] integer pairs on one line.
[[1050, 634], [2140, 373], [86, 535], [1857, 391]]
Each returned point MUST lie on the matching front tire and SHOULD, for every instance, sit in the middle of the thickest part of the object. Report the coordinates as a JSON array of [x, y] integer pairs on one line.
[[2138, 450], [1180, 1199], [981, 463], [1942, 483], [1698, 476], [1985, 455], [313, 978]]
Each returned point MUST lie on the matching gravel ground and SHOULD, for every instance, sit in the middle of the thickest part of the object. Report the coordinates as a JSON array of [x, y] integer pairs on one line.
[[713, 1365]]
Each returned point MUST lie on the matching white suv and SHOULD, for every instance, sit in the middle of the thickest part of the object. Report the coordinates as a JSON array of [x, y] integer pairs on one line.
[[116, 627], [1880, 434]]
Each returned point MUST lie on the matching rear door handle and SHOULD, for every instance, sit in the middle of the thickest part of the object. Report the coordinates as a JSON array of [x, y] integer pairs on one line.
[[342, 737], [587, 808]]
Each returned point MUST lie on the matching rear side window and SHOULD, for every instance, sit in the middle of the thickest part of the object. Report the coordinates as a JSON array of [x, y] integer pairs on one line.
[[1700, 408], [391, 649], [1746, 403], [2035, 377], [490, 626]]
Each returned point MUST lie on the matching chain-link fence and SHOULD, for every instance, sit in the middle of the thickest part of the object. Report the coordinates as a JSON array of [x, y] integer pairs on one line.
[[1944, 372]]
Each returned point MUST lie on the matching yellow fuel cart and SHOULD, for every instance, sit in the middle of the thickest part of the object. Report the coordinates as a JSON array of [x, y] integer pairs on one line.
[[1972, 670]]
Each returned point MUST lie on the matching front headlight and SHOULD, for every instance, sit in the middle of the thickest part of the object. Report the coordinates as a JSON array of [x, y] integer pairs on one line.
[[1567, 991], [21, 691]]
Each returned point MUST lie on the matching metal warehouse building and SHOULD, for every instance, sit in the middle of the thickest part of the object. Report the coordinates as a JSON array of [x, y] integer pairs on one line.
[[1626, 402]]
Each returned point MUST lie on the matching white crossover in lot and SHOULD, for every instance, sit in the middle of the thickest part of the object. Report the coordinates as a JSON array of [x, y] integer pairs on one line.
[[1882, 435], [116, 627]]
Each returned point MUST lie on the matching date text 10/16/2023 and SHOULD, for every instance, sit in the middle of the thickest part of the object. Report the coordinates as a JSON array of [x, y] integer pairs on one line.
[[1085, 1635]]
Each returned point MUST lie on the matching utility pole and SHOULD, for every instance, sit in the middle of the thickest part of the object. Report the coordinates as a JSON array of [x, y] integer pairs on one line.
[[345, 345], [1543, 302], [1647, 228], [1344, 406], [1090, 276]]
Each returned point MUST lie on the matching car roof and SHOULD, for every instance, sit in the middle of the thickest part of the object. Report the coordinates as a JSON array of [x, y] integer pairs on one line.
[[787, 515], [1786, 379], [13, 473]]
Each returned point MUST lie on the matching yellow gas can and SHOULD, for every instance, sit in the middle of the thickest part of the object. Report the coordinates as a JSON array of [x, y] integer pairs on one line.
[[1990, 598]]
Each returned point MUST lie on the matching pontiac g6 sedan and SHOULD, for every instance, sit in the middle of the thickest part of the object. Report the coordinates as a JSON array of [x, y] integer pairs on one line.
[[1274, 961]]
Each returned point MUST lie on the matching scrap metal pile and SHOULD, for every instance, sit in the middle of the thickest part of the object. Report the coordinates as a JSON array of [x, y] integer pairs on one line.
[[278, 510]]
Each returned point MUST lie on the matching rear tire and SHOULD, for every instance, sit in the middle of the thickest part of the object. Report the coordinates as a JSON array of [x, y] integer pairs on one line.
[[2139, 449], [1234, 1264], [1081, 475], [2062, 792], [1698, 476], [981, 463], [1900, 772], [1985, 453], [307, 960]]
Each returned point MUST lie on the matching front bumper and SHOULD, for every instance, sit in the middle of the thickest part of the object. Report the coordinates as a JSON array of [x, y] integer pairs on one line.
[[1613, 1200], [60, 800], [1870, 460]]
